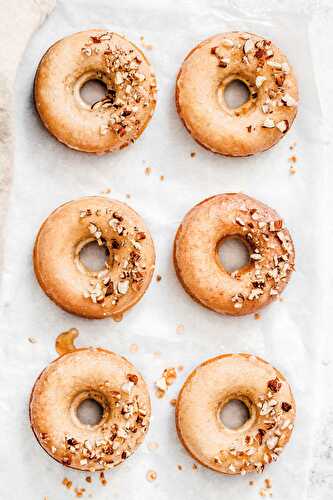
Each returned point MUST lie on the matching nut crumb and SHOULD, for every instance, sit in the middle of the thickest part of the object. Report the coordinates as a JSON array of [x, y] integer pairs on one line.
[[257, 316], [158, 278], [153, 446], [173, 402], [32, 340], [162, 384], [102, 479], [128, 196], [66, 482], [151, 475], [268, 483], [194, 466], [89, 479], [134, 348], [193, 154], [292, 170], [162, 178], [180, 329], [147, 170], [179, 467], [145, 45]]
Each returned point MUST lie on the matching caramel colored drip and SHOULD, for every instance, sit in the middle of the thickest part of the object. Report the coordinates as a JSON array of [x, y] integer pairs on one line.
[[65, 341]]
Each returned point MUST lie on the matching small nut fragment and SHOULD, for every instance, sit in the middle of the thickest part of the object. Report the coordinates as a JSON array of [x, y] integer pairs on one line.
[[268, 123], [272, 442], [226, 42], [248, 46], [288, 100], [260, 80], [283, 126], [274, 64], [151, 475]]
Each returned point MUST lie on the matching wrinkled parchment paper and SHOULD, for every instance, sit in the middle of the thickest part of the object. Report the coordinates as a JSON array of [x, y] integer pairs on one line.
[[48, 174]]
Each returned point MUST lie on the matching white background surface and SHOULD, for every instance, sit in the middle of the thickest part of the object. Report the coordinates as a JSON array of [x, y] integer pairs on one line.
[[48, 174]]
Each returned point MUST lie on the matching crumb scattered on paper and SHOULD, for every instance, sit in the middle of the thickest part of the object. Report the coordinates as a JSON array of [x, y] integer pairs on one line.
[[32, 340], [145, 45], [102, 479], [180, 328], [153, 445], [257, 316], [66, 482], [162, 384], [134, 348], [147, 170], [151, 475], [158, 278]]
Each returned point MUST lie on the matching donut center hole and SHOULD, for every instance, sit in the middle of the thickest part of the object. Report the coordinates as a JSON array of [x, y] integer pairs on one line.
[[94, 256], [93, 91], [236, 93], [90, 412], [233, 254], [234, 414]]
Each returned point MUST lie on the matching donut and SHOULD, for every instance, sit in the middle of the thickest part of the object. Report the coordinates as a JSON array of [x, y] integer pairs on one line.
[[198, 266], [257, 124], [261, 439], [110, 123], [85, 374], [128, 267]]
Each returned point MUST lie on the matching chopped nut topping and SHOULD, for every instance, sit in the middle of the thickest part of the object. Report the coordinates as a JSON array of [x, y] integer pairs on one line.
[[286, 406], [260, 80], [268, 123]]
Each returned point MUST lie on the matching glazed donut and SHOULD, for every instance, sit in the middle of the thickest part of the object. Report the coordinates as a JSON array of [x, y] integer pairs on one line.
[[109, 379], [270, 403], [128, 268], [111, 123], [273, 94], [198, 266]]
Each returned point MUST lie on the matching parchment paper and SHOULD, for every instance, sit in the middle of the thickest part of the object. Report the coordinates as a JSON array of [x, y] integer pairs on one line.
[[48, 174]]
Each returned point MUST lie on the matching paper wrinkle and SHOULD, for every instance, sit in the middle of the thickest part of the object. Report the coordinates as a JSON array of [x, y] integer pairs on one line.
[[48, 174]]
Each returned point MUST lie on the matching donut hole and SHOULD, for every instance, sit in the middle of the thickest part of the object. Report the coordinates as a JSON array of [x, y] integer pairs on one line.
[[94, 256], [90, 412], [93, 91], [234, 414], [233, 254], [236, 93]]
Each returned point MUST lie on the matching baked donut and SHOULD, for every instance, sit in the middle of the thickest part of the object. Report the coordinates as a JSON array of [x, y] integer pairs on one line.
[[114, 121], [270, 403], [199, 268], [254, 126], [85, 374], [128, 267]]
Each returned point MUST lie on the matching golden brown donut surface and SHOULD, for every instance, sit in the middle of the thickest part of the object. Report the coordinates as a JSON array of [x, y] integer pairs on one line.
[[128, 267], [273, 94], [198, 265], [270, 403], [111, 380], [111, 123]]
